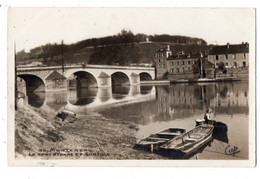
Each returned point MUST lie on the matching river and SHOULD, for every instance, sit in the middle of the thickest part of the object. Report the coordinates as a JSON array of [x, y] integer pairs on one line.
[[155, 108]]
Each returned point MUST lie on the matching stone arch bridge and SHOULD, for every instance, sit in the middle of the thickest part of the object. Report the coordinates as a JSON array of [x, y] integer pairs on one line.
[[54, 78]]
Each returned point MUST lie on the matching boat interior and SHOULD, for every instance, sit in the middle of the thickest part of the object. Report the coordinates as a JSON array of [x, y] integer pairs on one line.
[[189, 138]]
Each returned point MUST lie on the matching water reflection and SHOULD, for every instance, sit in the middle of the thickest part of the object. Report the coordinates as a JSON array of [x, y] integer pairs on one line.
[[55, 101], [146, 89], [185, 100], [120, 92], [155, 108], [36, 99], [82, 96], [104, 94]]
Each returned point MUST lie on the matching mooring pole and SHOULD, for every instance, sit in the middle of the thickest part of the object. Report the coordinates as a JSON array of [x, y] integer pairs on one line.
[[62, 59]]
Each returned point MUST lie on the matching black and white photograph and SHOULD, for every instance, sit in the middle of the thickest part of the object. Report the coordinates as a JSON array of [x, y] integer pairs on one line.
[[131, 86]]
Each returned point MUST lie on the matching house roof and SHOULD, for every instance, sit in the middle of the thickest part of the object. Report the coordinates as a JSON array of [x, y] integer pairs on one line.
[[229, 49], [55, 75], [163, 49]]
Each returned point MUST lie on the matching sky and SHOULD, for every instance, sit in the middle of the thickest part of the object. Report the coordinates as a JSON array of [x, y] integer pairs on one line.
[[32, 27]]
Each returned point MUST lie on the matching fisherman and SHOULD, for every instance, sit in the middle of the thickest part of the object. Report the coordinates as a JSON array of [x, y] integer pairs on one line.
[[207, 116]]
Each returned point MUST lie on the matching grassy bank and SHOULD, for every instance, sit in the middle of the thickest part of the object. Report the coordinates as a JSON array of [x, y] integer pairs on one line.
[[39, 135]]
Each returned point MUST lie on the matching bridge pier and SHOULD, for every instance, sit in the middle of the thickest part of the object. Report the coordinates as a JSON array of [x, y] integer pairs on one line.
[[104, 80], [134, 90], [104, 94], [55, 82], [134, 79]]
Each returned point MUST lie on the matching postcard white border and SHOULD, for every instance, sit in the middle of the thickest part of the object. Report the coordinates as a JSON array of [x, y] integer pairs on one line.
[[163, 163]]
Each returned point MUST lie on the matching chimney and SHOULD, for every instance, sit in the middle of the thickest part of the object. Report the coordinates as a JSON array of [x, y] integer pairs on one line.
[[243, 43], [247, 45], [227, 45], [168, 47]]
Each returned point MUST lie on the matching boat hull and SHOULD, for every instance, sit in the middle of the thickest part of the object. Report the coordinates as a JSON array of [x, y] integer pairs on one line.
[[185, 146]]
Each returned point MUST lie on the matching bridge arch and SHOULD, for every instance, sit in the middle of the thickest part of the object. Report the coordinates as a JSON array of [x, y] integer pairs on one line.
[[82, 79], [144, 76], [120, 79], [32, 82]]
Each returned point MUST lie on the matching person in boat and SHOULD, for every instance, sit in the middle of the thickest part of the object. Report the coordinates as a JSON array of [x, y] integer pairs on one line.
[[207, 116]]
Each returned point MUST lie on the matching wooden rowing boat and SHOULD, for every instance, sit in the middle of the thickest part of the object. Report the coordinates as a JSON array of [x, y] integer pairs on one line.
[[188, 143], [154, 141]]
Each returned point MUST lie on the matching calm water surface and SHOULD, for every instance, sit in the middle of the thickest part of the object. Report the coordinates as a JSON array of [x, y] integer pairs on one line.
[[155, 108]]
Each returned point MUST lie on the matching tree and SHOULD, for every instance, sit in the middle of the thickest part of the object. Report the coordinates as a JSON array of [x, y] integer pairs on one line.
[[126, 36]]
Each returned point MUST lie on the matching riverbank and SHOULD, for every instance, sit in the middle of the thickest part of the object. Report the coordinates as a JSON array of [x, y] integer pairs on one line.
[[39, 136]]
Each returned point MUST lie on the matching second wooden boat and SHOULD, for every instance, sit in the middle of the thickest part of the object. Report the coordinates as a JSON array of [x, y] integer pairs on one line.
[[190, 142]]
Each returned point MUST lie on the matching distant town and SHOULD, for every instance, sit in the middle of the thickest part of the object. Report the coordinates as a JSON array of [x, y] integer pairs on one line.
[[226, 62]]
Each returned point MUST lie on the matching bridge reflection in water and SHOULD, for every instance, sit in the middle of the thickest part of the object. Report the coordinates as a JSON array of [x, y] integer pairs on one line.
[[82, 100]]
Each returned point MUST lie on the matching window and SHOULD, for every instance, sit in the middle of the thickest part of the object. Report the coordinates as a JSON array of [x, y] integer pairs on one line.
[[216, 57], [244, 64], [171, 63], [244, 55], [226, 64], [183, 70], [188, 62], [183, 62], [177, 63], [172, 70], [235, 64], [195, 62], [234, 56], [226, 56], [177, 70]]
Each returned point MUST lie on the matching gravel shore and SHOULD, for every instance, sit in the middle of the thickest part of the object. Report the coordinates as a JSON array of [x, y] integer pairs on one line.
[[39, 135]]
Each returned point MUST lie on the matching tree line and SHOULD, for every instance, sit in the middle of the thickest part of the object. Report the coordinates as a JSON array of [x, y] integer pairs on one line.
[[51, 50]]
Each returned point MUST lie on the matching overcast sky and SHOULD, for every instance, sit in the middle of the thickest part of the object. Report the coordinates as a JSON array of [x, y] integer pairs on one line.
[[32, 27]]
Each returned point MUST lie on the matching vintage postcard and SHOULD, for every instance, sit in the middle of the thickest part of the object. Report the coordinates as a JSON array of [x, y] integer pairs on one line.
[[131, 87]]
